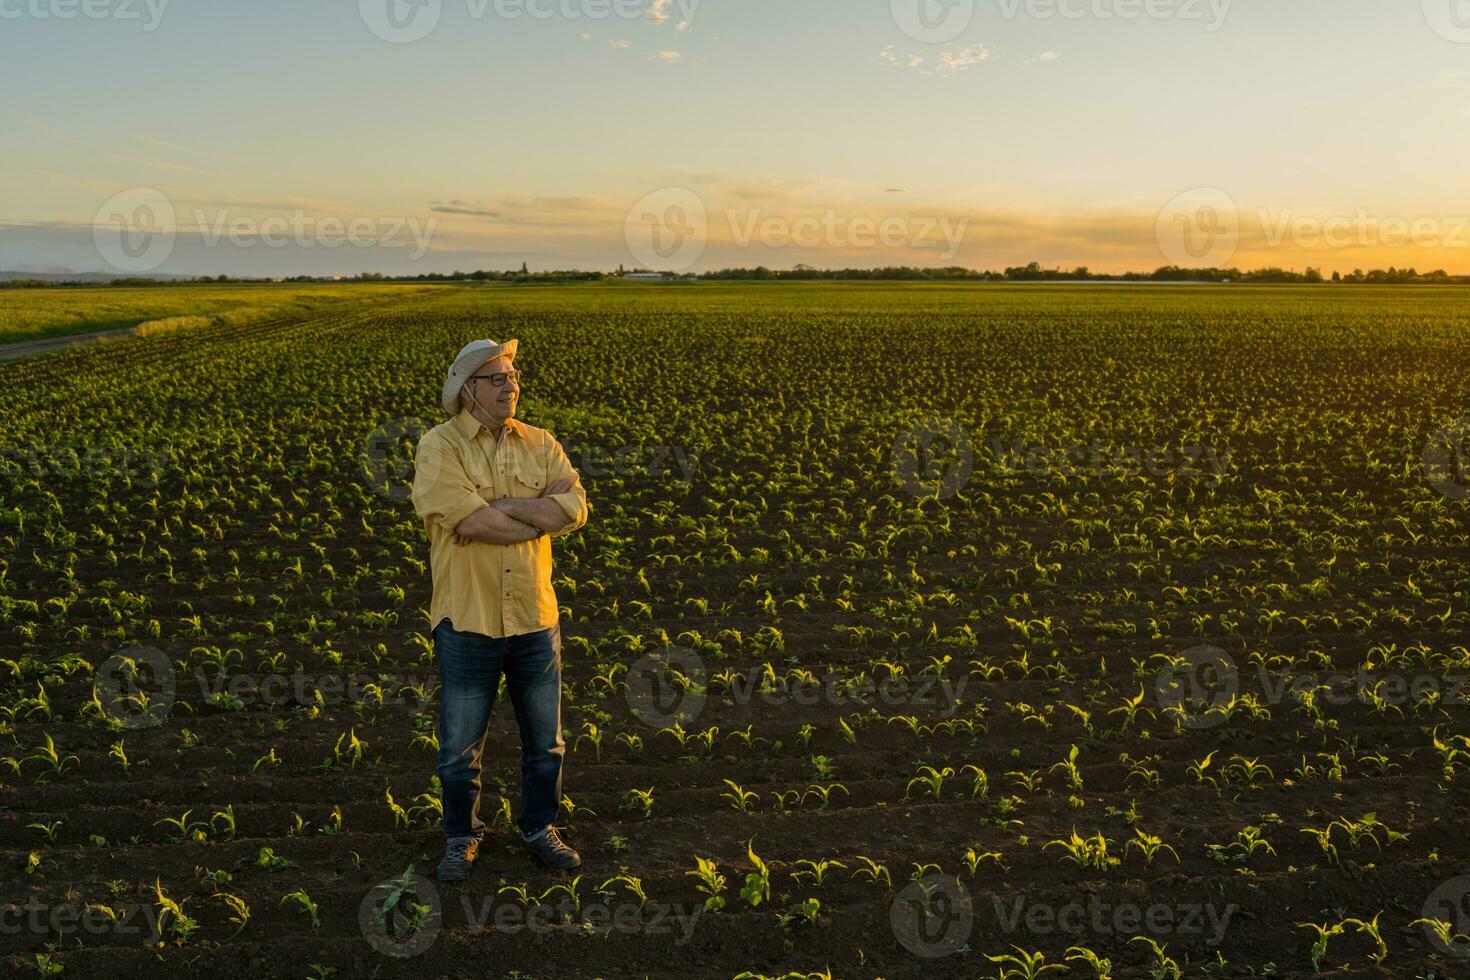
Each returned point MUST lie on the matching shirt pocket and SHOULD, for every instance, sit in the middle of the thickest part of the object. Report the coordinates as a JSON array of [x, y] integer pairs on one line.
[[528, 479]]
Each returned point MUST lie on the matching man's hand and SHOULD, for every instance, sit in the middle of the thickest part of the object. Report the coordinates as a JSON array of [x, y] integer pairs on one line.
[[492, 526], [540, 512]]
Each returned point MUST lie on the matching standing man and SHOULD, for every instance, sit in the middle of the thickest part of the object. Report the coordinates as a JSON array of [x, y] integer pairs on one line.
[[492, 492]]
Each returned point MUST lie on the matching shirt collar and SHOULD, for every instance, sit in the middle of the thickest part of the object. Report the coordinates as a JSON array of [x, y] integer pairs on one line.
[[469, 426]]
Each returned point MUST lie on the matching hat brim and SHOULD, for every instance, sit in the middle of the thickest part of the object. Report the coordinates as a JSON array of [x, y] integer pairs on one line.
[[463, 367]]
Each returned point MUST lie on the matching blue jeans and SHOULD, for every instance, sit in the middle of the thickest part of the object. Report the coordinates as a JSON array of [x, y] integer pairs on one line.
[[470, 665]]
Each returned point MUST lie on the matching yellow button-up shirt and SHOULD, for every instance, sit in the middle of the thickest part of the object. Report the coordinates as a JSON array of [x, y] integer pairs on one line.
[[493, 589]]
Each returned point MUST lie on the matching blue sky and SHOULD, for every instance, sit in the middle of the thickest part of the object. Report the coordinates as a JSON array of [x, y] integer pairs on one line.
[[1058, 138]]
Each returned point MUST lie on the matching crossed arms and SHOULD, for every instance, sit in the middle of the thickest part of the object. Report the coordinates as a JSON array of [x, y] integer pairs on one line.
[[444, 494], [514, 519]]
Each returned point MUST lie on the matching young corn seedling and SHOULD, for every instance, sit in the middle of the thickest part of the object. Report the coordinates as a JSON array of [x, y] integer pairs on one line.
[[1150, 846], [1444, 933], [709, 882], [741, 799], [400, 900], [634, 885], [633, 743], [1163, 967], [1240, 850], [185, 829], [873, 870], [1370, 927], [307, 905], [972, 859], [1102, 969], [225, 819], [56, 764], [590, 733], [930, 779], [823, 793], [640, 800], [1249, 769], [1028, 781], [1069, 767], [569, 888], [267, 859], [120, 754], [49, 829], [172, 920], [1324, 932], [787, 799], [980, 786], [817, 870], [758, 882], [804, 912], [1086, 852], [520, 893], [1200, 769], [1022, 965], [239, 912]]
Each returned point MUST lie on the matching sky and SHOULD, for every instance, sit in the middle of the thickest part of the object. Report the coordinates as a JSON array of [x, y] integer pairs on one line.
[[280, 137]]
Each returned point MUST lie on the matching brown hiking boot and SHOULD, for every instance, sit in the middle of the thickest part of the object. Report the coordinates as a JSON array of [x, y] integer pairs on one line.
[[550, 850], [459, 856]]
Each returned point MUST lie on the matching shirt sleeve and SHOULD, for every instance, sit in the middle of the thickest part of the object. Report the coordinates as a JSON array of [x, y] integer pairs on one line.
[[442, 492], [574, 501]]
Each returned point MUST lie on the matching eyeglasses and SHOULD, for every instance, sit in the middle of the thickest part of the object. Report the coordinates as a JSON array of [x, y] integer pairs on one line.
[[499, 378]]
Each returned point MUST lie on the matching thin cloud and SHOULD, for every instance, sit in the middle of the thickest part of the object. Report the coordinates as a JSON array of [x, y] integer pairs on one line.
[[667, 57], [462, 207], [658, 11], [955, 61]]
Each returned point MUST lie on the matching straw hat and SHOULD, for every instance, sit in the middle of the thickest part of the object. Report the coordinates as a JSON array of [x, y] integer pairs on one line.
[[471, 358]]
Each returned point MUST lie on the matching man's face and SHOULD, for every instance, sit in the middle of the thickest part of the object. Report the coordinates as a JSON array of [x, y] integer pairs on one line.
[[499, 402]]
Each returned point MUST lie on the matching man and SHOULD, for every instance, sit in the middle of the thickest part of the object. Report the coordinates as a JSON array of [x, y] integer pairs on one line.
[[492, 492]]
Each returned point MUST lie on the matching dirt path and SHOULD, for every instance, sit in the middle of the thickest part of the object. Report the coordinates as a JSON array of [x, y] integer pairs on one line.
[[30, 348]]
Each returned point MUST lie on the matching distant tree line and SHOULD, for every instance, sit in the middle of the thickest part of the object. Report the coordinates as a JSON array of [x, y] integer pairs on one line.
[[1032, 272]]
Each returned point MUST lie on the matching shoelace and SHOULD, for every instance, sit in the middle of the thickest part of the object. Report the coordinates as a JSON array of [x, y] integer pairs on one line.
[[458, 851]]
